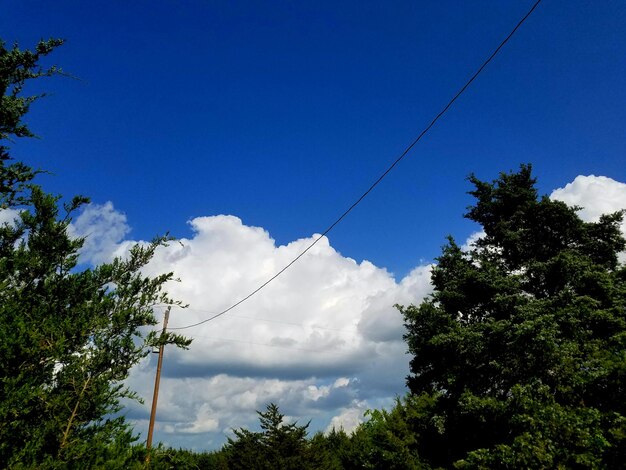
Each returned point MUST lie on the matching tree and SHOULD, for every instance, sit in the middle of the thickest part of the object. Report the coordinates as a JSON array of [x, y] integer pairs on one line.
[[164, 458], [519, 354], [386, 439], [336, 450], [277, 445], [69, 335], [16, 68]]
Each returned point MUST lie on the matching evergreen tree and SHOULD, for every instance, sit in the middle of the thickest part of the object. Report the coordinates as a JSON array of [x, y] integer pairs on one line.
[[332, 451], [385, 440], [519, 356], [277, 445], [69, 336]]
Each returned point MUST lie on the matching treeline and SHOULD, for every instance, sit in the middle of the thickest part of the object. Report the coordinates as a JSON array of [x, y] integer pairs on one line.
[[385, 440], [518, 356]]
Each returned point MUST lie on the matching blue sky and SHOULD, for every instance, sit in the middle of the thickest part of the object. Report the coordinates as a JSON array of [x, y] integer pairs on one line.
[[282, 113]]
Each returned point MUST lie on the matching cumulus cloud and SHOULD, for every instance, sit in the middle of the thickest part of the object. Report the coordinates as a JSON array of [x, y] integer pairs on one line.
[[103, 229], [8, 216], [595, 195], [195, 411], [349, 418], [324, 317], [470, 243], [323, 341]]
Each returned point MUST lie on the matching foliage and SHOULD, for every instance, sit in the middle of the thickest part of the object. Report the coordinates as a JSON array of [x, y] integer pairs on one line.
[[520, 353], [166, 458], [277, 445], [17, 67], [332, 451], [69, 336], [386, 439]]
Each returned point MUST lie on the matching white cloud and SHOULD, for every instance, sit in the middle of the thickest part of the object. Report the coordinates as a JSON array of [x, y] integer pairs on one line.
[[8, 216], [379, 320], [472, 239], [596, 195], [313, 341], [202, 423], [322, 317], [349, 418], [103, 229]]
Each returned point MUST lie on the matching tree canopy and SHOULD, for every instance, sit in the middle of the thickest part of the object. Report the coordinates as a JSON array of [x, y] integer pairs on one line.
[[69, 335], [277, 445], [519, 355]]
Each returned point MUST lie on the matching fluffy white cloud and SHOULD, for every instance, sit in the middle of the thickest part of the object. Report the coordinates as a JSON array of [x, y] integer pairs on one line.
[[103, 228], [313, 341], [348, 418], [472, 239], [324, 317], [596, 195], [323, 341], [8, 216]]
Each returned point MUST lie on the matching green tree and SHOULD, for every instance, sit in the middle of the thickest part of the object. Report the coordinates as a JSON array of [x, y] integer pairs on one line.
[[333, 450], [164, 458], [277, 445], [519, 356], [17, 67], [386, 439], [69, 336]]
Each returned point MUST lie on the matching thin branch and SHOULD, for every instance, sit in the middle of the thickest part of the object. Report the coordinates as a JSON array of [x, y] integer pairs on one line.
[[74, 413]]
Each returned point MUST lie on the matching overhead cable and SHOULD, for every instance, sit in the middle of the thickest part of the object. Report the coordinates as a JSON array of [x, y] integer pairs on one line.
[[380, 178]]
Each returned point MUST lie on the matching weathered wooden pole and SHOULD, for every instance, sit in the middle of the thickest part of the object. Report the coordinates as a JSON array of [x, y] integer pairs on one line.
[[157, 379]]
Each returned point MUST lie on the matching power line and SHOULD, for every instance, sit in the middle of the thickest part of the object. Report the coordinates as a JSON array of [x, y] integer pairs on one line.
[[280, 322], [283, 346], [380, 178]]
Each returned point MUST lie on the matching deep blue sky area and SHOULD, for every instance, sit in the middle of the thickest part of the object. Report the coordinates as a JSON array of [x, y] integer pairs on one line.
[[283, 112]]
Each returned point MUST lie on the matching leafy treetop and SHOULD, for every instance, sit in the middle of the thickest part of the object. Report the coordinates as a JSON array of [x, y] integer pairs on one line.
[[69, 336], [518, 356]]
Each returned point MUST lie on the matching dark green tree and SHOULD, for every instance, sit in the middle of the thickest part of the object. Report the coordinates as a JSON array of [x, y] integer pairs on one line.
[[17, 67], [164, 458], [69, 336], [277, 445], [519, 355], [386, 439], [333, 450]]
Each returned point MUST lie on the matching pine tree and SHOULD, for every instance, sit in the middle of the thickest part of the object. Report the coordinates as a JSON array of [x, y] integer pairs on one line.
[[69, 335], [277, 445], [519, 356]]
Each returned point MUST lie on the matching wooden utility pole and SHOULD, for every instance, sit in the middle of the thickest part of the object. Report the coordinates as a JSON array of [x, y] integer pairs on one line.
[[157, 379]]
